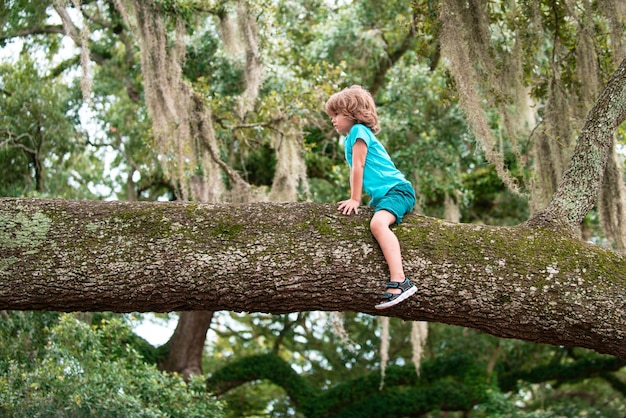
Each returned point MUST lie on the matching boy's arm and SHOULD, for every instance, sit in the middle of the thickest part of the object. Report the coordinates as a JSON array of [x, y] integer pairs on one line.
[[359, 152]]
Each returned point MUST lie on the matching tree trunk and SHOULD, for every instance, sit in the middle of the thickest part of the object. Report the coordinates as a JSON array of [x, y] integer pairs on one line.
[[577, 193], [187, 344], [520, 282]]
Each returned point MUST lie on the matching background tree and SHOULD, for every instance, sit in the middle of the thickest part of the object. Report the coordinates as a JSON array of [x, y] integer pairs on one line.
[[42, 146]]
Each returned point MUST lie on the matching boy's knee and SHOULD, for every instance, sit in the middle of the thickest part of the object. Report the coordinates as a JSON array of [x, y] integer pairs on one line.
[[382, 220], [377, 225]]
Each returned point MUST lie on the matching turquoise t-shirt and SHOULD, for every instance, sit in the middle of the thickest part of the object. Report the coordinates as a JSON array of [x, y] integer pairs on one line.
[[380, 173]]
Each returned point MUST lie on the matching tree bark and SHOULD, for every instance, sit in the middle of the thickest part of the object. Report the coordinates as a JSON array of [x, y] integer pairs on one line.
[[533, 284], [578, 191]]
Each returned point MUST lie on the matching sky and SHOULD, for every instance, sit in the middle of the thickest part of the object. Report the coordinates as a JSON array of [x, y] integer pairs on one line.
[[157, 331]]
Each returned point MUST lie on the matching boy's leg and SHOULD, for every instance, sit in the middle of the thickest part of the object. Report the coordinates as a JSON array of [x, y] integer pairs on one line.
[[389, 244]]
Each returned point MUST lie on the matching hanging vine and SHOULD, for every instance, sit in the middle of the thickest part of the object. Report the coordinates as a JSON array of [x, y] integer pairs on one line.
[[492, 65]]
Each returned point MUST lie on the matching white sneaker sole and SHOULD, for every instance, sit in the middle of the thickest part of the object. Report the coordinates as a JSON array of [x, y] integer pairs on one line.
[[403, 296]]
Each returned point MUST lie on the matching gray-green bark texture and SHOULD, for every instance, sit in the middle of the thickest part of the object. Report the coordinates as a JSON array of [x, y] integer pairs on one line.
[[578, 191], [529, 283]]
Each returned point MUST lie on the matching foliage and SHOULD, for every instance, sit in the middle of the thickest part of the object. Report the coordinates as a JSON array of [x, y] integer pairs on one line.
[[42, 149], [424, 130], [322, 375], [85, 371]]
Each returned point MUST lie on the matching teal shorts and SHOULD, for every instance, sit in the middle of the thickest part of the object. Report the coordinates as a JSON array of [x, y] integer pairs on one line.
[[399, 201]]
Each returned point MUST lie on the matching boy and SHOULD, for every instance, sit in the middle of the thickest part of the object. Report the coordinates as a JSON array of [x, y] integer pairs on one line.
[[353, 113]]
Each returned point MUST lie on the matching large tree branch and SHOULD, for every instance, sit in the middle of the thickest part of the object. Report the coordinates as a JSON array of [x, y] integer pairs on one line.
[[461, 379], [462, 383], [568, 371], [533, 284], [577, 193], [39, 30]]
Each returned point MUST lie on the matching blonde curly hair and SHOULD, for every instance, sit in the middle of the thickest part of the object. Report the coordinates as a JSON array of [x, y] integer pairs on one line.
[[356, 103]]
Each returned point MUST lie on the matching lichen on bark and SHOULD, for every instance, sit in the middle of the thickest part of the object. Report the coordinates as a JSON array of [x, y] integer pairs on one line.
[[529, 283]]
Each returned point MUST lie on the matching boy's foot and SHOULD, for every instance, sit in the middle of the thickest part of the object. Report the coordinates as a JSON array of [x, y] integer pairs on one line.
[[391, 299]]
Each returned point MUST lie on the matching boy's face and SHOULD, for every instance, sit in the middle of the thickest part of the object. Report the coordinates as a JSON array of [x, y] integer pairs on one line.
[[342, 123]]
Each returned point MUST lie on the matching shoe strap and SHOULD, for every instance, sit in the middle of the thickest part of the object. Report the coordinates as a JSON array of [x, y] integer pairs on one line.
[[404, 285]]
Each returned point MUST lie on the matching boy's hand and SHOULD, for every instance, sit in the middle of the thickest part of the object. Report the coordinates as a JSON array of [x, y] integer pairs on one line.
[[349, 206]]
